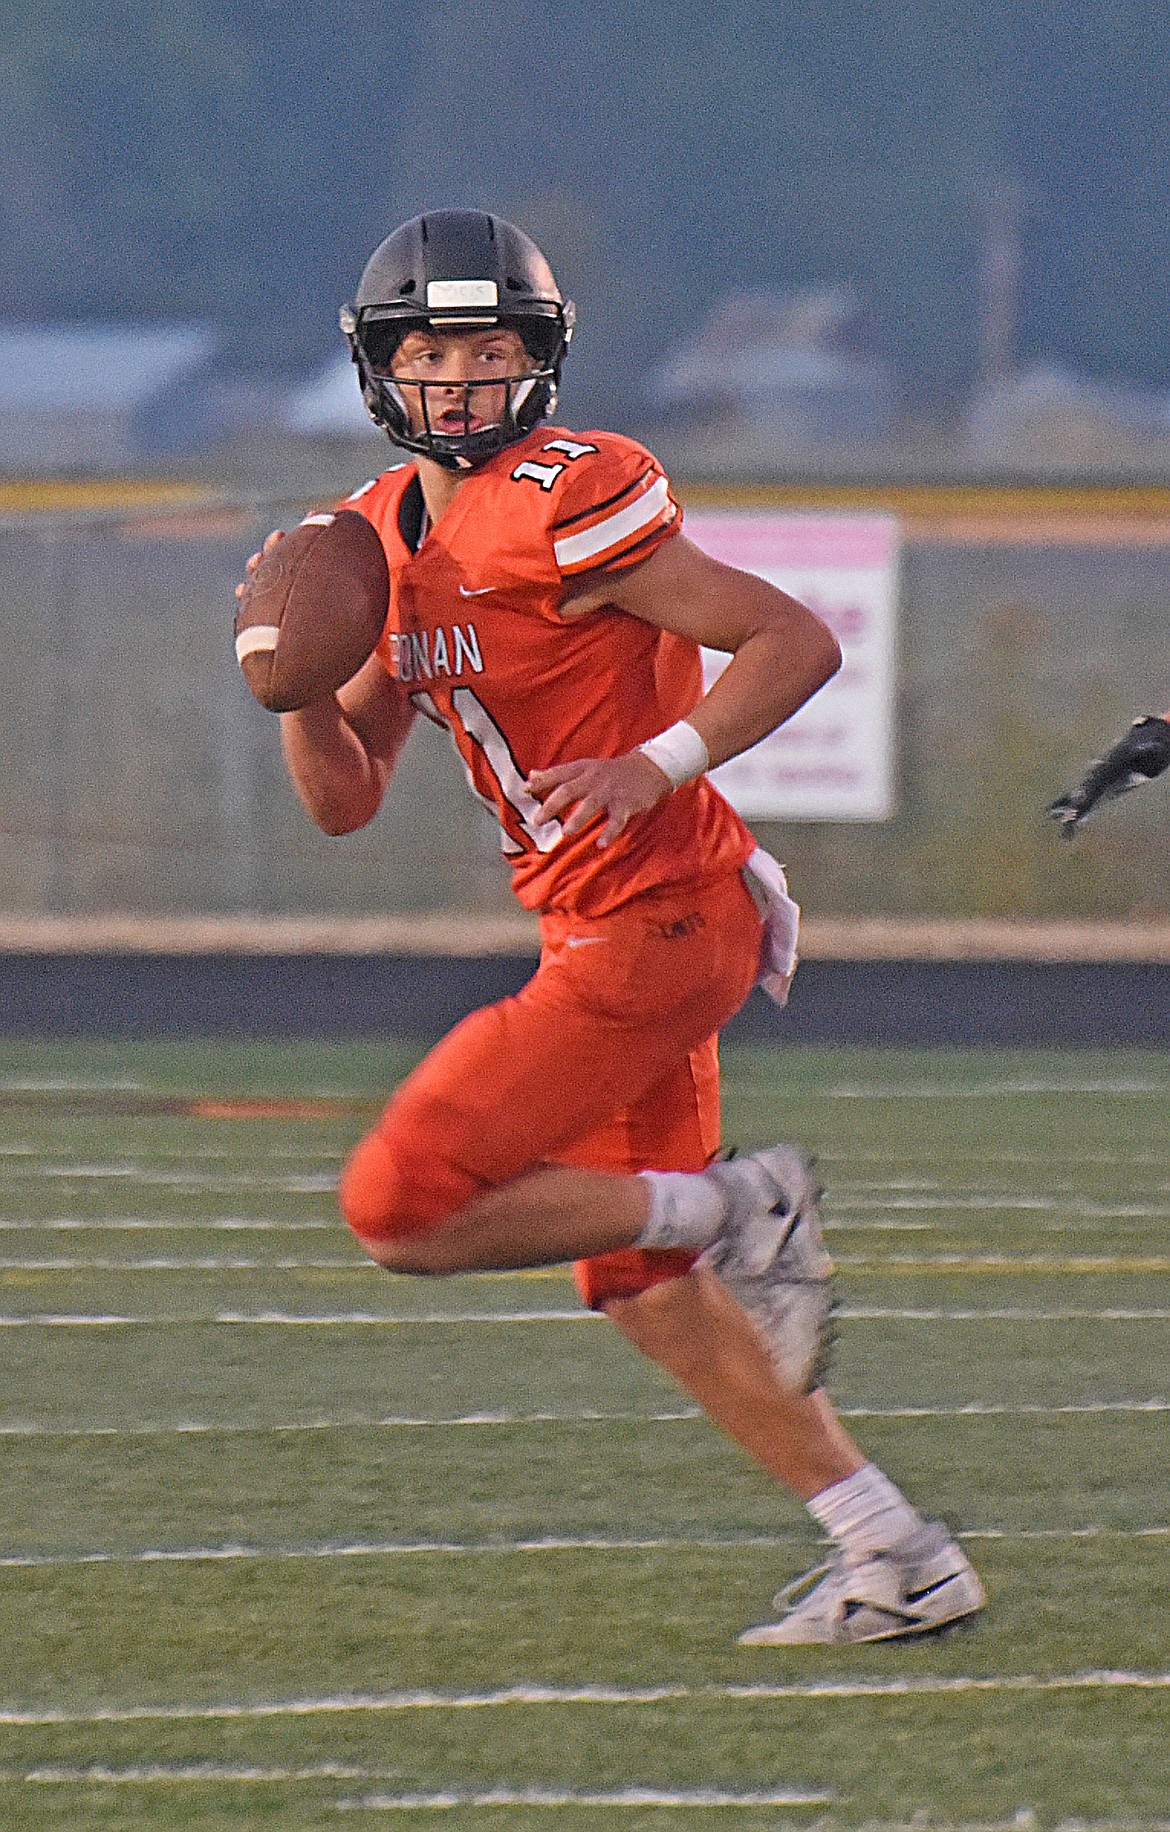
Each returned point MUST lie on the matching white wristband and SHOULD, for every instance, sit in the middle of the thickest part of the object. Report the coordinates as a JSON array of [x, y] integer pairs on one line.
[[679, 753]]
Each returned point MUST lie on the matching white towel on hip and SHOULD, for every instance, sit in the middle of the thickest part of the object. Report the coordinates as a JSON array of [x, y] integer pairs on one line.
[[781, 925]]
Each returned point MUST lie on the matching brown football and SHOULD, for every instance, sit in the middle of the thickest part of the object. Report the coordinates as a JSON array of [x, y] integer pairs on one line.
[[313, 610]]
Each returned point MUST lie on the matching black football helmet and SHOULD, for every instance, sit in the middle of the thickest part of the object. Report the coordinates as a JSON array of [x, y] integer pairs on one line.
[[456, 270]]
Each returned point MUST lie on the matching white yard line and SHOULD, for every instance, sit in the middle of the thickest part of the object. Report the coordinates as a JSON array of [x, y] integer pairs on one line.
[[1047, 1264], [270, 1153], [977, 1409], [384, 1549], [459, 1319], [988, 1090], [210, 1773], [1022, 1821], [995, 1202], [211, 1262], [207, 1263], [851, 1213], [149, 1224], [183, 1182], [924, 1686], [70, 1084], [950, 1223], [986, 1157], [471, 1420], [519, 1420], [870, 1313], [947, 1186], [288, 1320], [514, 1548]]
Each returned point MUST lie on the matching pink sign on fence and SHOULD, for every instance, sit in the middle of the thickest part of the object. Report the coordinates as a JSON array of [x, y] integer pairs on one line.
[[833, 761]]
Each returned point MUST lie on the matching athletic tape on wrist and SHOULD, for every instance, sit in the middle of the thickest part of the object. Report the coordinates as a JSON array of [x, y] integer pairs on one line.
[[679, 753]]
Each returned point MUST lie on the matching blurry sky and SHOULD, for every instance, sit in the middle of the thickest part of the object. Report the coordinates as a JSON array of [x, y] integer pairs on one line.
[[237, 159]]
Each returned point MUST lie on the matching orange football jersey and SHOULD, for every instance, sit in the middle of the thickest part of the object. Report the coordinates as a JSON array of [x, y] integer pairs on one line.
[[475, 638]]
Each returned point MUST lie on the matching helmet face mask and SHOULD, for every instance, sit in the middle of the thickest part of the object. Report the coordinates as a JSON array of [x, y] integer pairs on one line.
[[448, 272], [461, 446]]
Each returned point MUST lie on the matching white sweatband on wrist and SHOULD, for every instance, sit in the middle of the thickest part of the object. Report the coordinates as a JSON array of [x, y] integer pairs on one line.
[[679, 753]]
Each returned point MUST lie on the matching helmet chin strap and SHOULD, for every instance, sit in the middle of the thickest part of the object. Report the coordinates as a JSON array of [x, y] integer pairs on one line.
[[522, 393], [463, 449]]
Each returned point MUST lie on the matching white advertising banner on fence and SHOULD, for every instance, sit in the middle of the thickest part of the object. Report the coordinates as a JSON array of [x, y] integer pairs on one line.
[[834, 760]]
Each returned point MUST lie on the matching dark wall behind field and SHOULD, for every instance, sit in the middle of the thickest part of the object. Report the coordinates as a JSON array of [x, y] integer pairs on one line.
[[235, 160], [139, 774]]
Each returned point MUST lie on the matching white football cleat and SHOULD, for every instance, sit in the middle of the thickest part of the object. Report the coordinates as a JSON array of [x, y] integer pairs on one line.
[[770, 1253], [923, 1584]]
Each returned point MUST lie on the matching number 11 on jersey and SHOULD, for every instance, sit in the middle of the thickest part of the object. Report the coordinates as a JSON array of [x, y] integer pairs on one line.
[[481, 728]]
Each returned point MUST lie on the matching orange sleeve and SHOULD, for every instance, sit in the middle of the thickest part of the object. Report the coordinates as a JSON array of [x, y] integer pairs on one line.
[[613, 508]]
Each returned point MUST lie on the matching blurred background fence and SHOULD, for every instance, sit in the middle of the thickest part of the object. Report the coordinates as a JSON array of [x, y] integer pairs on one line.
[[138, 774], [864, 267]]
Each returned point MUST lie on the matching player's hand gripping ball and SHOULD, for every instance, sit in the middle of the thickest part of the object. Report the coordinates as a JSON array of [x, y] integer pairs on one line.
[[311, 609]]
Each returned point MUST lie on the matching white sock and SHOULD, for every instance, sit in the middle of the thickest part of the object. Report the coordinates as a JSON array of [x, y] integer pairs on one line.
[[686, 1209], [864, 1514]]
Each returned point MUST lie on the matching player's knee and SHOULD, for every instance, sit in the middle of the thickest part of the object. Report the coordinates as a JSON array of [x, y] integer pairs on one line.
[[394, 1209], [426, 1254]]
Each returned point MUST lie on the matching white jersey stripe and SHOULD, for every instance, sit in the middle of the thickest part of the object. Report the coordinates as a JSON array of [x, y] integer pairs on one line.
[[573, 549]]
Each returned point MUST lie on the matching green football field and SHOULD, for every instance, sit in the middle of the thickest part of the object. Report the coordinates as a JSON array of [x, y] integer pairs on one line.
[[287, 1542]]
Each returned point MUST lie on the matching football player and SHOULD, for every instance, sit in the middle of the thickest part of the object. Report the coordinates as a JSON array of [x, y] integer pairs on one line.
[[1140, 754], [548, 612]]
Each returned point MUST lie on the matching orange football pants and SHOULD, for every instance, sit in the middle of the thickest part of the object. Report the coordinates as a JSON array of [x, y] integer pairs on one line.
[[607, 1058]]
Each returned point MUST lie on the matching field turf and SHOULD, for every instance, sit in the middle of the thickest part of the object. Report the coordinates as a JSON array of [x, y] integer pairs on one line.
[[287, 1542]]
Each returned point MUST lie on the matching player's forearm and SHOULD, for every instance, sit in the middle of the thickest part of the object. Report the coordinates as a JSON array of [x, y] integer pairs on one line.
[[771, 675], [781, 651], [337, 778]]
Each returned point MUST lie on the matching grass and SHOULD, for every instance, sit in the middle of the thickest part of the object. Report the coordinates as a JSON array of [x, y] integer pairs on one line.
[[290, 1543]]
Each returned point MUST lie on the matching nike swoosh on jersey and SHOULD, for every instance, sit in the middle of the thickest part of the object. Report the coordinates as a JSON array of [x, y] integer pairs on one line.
[[583, 941], [476, 591]]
